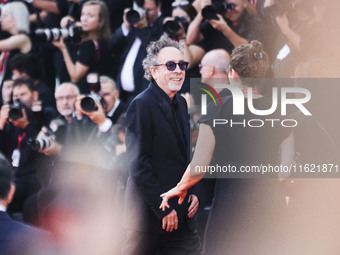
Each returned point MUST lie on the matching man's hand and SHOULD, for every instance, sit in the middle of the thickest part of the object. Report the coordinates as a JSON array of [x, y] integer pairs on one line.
[[194, 203], [219, 24], [79, 111], [4, 113], [125, 22], [170, 222], [97, 116], [22, 122]]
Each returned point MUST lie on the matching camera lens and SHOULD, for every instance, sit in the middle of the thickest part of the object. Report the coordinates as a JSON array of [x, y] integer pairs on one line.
[[208, 12], [171, 27], [39, 143], [15, 113], [89, 104], [132, 17]]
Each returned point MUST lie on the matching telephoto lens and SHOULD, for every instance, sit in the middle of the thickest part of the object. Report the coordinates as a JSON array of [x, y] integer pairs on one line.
[[89, 102], [39, 143]]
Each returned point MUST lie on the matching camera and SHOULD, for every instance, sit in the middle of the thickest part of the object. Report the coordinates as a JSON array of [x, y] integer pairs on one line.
[[55, 131], [39, 143], [211, 11], [90, 101], [15, 110], [172, 26], [135, 15], [72, 32]]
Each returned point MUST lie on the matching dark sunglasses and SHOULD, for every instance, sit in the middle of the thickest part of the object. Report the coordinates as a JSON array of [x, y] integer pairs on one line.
[[171, 66]]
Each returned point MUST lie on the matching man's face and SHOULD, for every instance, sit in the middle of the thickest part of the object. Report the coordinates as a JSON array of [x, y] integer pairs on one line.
[[109, 93], [152, 10], [235, 15], [169, 81], [26, 96], [65, 100]]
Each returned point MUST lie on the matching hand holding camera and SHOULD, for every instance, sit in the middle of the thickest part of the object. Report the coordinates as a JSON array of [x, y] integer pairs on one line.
[[15, 113], [176, 27], [220, 24]]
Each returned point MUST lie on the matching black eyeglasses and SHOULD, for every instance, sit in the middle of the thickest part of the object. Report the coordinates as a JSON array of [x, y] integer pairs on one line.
[[171, 66]]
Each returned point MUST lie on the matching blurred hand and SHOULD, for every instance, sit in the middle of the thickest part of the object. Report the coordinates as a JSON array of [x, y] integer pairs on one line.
[[125, 22], [170, 222], [4, 113], [65, 20], [194, 203], [97, 116], [282, 21], [22, 122], [219, 24], [59, 44], [54, 148], [79, 110], [142, 23], [204, 3], [174, 192]]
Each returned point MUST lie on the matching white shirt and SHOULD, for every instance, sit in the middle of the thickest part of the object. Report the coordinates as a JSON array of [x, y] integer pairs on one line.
[[2, 208]]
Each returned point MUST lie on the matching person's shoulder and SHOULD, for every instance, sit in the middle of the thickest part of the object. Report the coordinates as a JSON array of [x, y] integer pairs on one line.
[[13, 227]]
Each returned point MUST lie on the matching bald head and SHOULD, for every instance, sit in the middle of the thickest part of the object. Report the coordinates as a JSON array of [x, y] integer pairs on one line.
[[215, 64]]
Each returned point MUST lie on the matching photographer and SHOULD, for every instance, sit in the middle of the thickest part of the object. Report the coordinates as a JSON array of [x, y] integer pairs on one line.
[[92, 55], [108, 91], [65, 97], [228, 26], [128, 44], [27, 65], [89, 138], [17, 124]]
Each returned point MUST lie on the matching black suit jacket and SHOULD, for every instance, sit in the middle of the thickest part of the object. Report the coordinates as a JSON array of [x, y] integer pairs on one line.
[[16, 237], [121, 45], [119, 111], [158, 157]]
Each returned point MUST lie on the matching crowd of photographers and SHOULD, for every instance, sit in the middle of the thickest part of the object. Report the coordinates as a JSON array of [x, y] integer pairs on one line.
[[68, 78]]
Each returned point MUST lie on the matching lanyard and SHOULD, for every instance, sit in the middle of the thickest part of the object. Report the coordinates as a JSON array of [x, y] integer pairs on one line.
[[20, 137]]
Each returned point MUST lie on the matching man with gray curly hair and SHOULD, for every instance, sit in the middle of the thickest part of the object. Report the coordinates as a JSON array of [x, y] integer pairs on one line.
[[158, 149]]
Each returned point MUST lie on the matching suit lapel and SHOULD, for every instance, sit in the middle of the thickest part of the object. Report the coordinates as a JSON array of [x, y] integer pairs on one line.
[[168, 114]]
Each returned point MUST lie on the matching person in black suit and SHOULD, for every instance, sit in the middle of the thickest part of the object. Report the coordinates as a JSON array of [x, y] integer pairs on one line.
[[15, 132], [158, 149], [110, 94], [128, 45], [16, 237]]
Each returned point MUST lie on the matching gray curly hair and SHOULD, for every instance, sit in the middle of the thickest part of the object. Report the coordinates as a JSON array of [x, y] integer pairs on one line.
[[152, 51]]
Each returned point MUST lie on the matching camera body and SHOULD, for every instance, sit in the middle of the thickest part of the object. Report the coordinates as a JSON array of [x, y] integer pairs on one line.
[[135, 15], [15, 111], [211, 11], [72, 32], [172, 26], [90, 101]]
